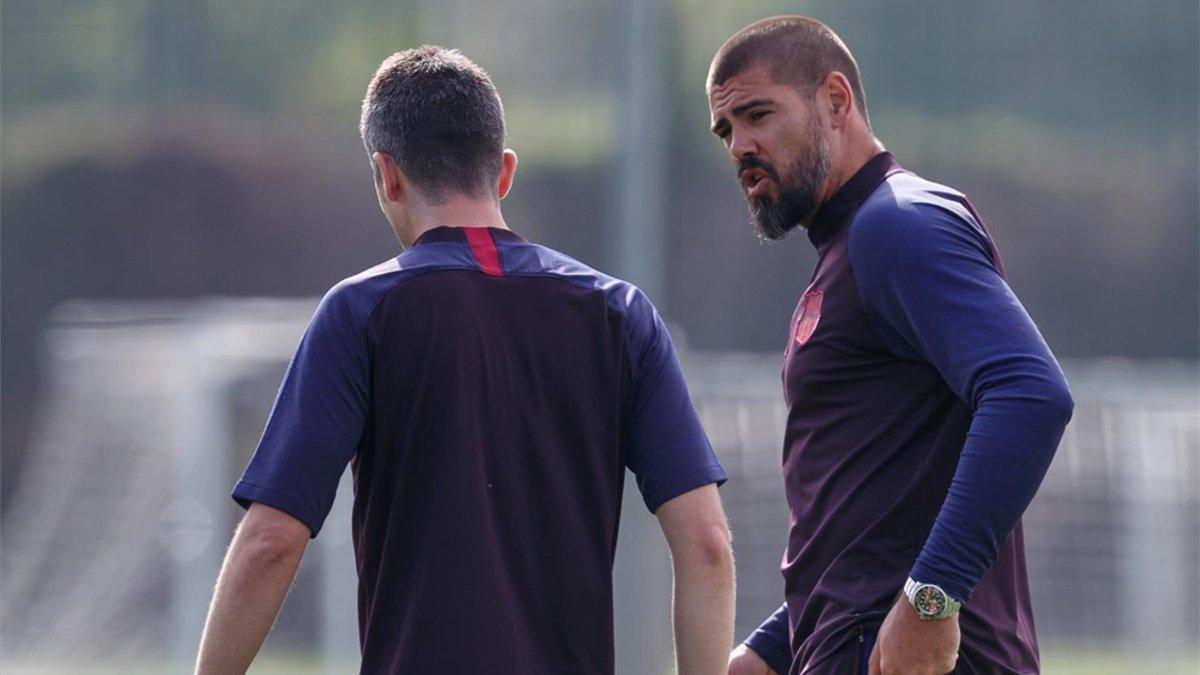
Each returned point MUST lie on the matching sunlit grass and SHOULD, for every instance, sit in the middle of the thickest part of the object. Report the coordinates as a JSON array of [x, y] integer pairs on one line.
[[1065, 661]]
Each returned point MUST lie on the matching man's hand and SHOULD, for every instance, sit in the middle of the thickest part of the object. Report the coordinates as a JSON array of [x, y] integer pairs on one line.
[[909, 646], [746, 661]]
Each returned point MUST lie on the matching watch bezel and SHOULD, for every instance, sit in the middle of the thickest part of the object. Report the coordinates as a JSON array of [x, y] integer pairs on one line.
[[921, 596], [930, 601]]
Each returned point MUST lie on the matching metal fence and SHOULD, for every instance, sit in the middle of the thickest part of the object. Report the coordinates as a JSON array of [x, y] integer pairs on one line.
[[1112, 538], [114, 536]]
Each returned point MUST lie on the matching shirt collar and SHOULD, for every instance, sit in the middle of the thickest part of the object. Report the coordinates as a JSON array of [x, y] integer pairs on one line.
[[455, 233], [832, 215]]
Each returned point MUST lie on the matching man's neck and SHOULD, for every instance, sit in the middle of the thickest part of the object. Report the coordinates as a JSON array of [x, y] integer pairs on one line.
[[456, 212], [854, 158]]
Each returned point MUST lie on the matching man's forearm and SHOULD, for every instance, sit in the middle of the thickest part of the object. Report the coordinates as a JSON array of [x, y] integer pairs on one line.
[[254, 580], [1008, 451], [704, 596]]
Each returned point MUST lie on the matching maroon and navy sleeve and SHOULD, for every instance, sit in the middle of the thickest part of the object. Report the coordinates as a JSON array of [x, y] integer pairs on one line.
[[318, 417], [928, 279], [668, 450]]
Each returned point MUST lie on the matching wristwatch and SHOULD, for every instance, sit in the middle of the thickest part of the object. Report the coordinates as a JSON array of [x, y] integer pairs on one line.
[[930, 601]]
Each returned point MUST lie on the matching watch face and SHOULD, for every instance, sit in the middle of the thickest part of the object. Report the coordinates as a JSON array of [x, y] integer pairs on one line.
[[929, 601]]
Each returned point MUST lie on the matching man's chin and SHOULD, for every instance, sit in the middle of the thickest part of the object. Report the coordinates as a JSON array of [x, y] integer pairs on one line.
[[769, 222]]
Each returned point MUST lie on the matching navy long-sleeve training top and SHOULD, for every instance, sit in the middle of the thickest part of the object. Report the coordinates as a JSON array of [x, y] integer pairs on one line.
[[924, 410]]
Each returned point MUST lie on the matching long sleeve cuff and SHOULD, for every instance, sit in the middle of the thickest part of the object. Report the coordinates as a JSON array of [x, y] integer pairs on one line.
[[770, 641]]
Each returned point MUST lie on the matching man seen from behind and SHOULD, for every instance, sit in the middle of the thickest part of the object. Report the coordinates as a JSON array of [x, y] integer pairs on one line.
[[488, 394]]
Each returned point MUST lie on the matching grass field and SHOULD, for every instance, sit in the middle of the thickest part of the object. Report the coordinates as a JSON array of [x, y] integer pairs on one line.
[[1059, 661], [1076, 662]]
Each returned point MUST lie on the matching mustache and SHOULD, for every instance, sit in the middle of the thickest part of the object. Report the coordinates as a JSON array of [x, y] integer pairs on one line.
[[751, 162]]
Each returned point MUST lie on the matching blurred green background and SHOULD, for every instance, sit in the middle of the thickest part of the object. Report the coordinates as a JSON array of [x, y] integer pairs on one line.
[[191, 148]]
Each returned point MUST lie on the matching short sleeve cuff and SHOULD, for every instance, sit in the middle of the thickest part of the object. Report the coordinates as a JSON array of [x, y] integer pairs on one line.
[[656, 494], [245, 494]]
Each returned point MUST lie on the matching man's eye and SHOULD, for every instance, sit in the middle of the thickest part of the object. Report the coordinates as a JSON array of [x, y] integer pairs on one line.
[[758, 115]]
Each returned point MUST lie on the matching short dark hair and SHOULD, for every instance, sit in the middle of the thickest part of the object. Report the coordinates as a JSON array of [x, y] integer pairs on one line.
[[439, 116], [799, 50]]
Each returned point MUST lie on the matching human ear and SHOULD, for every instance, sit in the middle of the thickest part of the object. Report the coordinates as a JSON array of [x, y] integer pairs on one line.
[[840, 96], [508, 170], [389, 179]]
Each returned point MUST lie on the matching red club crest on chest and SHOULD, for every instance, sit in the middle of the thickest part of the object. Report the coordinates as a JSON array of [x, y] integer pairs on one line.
[[810, 316]]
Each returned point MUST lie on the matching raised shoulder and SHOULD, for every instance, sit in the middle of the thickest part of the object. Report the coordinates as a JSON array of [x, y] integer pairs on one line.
[[908, 216]]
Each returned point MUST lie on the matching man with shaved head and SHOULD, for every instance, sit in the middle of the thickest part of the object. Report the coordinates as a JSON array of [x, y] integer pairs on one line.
[[923, 405]]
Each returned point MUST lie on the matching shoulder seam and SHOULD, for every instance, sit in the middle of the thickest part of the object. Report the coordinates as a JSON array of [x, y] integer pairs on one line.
[[568, 280], [600, 276]]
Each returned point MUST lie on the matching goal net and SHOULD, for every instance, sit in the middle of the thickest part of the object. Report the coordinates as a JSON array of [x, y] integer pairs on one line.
[[115, 532]]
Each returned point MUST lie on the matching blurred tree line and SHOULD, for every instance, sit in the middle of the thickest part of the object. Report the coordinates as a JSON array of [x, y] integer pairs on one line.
[[170, 148]]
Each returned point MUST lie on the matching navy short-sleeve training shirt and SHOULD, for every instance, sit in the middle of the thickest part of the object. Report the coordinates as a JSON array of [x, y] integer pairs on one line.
[[488, 394]]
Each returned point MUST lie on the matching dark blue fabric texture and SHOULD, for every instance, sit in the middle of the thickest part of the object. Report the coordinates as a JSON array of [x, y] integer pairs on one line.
[[770, 641], [929, 282]]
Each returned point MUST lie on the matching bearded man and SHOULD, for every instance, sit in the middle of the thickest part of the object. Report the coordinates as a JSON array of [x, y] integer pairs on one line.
[[924, 407]]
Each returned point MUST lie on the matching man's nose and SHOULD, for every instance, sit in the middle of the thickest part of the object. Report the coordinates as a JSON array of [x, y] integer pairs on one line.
[[741, 146]]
